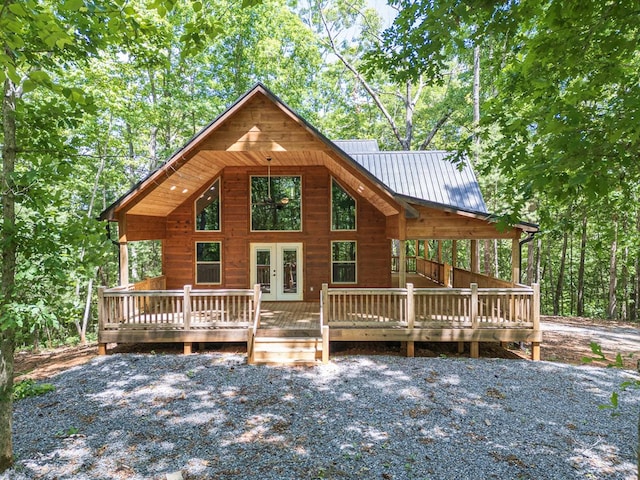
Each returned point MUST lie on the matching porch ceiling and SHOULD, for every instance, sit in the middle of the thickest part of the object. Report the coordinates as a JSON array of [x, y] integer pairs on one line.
[[174, 185]]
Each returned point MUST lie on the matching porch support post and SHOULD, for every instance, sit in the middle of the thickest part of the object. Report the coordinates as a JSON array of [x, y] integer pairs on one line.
[[124, 251], [454, 265], [535, 314], [475, 257], [124, 264], [515, 260], [454, 254], [402, 268], [439, 257], [475, 346]]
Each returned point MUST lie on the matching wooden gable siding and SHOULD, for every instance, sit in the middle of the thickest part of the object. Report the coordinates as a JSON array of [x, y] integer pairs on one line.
[[374, 262], [261, 126], [443, 225], [144, 227]]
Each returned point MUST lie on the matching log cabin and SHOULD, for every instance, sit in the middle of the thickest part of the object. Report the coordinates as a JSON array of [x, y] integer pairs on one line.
[[276, 236]]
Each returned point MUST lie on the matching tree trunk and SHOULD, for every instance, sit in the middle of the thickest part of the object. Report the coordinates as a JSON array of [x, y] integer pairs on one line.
[[583, 252], [476, 98], [557, 298], [8, 245], [636, 283], [486, 255], [613, 276], [624, 287]]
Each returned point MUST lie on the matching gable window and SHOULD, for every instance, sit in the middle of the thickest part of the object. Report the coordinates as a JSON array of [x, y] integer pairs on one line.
[[343, 208], [208, 209], [343, 262], [276, 203], [208, 264]]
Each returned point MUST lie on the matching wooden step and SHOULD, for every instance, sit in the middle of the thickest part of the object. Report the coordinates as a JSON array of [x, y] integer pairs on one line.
[[287, 333], [298, 350]]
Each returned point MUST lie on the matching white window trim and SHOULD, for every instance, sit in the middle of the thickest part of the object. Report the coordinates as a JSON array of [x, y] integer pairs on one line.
[[355, 262], [355, 200], [251, 206], [219, 263], [195, 213]]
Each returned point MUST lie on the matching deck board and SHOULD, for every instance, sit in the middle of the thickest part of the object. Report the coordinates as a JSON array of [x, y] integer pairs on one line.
[[290, 315]]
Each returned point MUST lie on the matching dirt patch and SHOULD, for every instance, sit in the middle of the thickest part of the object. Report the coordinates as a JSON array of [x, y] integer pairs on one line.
[[565, 340]]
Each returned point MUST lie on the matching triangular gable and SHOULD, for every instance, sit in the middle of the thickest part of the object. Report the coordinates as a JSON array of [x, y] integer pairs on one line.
[[254, 127]]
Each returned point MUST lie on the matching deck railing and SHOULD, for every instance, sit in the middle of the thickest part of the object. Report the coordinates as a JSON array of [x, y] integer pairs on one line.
[[176, 309], [432, 307]]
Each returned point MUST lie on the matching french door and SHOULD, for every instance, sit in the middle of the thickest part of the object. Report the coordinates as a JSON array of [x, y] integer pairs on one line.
[[277, 267]]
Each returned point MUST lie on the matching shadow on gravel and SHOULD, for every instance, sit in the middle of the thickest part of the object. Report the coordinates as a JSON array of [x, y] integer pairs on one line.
[[212, 416]]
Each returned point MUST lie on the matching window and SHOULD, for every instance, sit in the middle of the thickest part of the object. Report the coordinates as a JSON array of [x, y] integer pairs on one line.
[[276, 203], [208, 263], [343, 262], [208, 209], [343, 208]]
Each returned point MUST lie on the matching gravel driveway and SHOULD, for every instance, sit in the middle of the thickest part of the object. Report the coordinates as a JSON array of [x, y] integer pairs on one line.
[[371, 417]]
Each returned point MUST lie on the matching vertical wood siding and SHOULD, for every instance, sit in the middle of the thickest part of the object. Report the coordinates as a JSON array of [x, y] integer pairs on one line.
[[374, 261]]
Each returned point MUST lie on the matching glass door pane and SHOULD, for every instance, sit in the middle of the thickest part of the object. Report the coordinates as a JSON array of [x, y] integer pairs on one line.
[[263, 269], [289, 269]]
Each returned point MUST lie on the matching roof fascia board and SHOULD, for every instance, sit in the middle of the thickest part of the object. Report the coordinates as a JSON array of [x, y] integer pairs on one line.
[[181, 153], [489, 217]]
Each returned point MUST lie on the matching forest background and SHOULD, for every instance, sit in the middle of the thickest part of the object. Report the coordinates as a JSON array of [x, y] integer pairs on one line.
[[543, 98]]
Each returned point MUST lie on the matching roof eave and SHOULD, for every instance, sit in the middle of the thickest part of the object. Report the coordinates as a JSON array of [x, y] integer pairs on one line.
[[489, 217]]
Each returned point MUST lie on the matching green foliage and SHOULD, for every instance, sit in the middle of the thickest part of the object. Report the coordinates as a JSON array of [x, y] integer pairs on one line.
[[29, 388]]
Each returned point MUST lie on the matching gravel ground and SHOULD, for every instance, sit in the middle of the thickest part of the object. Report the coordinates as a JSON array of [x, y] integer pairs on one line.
[[371, 417]]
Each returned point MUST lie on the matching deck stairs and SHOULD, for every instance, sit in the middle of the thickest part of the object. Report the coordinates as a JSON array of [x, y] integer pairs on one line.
[[286, 346]]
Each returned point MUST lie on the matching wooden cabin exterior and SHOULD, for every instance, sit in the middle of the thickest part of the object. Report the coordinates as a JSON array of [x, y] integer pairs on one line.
[[260, 197]]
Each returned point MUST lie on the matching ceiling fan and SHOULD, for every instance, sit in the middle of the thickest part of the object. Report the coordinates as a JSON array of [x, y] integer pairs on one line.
[[277, 204]]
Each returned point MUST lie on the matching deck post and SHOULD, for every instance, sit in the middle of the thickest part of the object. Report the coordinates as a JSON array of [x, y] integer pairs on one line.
[[535, 315], [448, 270], [515, 261], [102, 347], [250, 345], [325, 305], [402, 268], [475, 346], [411, 318], [188, 348], [186, 307], [325, 344]]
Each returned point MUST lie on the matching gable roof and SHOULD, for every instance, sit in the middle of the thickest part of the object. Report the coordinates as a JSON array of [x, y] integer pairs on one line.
[[260, 125]]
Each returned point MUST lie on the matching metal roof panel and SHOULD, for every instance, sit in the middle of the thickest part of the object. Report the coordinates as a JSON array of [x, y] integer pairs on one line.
[[427, 176]]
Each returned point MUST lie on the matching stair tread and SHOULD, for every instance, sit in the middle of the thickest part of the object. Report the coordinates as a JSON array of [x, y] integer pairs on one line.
[[287, 339], [287, 333]]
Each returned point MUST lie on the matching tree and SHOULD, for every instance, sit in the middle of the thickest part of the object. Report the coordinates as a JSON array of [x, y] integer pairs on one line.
[[407, 115], [562, 121], [40, 41]]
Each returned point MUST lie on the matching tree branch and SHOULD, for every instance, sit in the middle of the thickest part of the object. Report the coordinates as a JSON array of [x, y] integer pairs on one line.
[[435, 129], [374, 96]]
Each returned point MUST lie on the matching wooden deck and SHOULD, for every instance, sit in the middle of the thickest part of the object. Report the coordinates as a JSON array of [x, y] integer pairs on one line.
[[290, 315], [407, 315]]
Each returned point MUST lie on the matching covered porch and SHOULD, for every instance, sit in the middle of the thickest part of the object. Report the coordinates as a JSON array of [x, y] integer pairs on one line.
[[301, 332]]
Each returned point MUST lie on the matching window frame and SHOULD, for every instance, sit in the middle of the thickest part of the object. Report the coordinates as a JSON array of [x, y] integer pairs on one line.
[[251, 177], [197, 262], [354, 262], [195, 208], [355, 209]]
